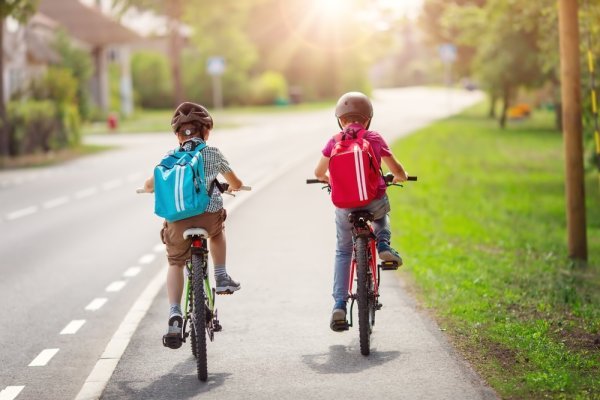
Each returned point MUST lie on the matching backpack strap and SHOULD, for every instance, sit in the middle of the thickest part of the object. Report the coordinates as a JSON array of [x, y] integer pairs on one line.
[[359, 135]]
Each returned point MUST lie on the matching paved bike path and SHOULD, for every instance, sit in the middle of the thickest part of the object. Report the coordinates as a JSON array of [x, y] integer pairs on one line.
[[276, 341]]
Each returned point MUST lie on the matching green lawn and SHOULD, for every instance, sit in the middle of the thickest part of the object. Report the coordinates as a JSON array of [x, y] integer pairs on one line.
[[484, 241]]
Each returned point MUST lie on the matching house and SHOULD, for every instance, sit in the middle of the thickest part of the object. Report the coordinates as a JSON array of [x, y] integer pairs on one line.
[[28, 48]]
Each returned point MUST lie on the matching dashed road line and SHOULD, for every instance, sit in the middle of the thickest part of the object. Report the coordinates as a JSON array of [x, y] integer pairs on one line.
[[72, 327], [43, 358], [147, 258], [159, 248], [112, 184], [22, 213], [116, 286], [86, 193], [132, 271], [56, 202], [96, 304], [10, 392]]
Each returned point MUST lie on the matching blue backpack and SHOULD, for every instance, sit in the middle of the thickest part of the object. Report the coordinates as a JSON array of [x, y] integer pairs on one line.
[[180, 185]]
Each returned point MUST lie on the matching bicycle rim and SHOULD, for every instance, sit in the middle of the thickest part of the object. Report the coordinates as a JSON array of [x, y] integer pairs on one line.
[[362, 291], [199, 312]]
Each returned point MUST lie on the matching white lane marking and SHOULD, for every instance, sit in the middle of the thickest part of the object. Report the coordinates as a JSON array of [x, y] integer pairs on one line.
[[112, 184], [96, 304], [86, 193], [115, 286], [97, 379], [72, 327], [147, 258], [22, 212], [43, 358], [10, 392], [159, 248], [131, 272], [56, 202]]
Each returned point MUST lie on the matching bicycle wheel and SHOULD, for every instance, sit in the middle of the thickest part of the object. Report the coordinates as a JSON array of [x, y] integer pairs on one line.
[[364, 293], [199, 316]]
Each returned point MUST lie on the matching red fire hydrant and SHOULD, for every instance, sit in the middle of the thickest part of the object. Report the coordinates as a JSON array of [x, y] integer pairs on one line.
[[112, 121]]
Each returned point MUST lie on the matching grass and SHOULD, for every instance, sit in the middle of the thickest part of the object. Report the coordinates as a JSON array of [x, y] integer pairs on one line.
[[158, 120], [484, 238]]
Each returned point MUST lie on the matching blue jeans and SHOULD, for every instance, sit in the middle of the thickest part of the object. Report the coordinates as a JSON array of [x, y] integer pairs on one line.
[[343, 252]]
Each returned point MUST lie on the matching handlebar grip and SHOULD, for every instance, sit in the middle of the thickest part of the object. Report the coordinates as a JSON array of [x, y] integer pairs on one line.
[[314, 181], [412, 178]]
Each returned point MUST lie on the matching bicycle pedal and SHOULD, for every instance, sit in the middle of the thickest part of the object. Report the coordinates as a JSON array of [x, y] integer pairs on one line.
[[217, 326], [378, 306], [389, 265], [172, 341], [225, 292]]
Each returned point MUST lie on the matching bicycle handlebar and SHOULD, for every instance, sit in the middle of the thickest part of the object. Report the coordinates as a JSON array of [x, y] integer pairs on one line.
[[224, 185], [388, 178]]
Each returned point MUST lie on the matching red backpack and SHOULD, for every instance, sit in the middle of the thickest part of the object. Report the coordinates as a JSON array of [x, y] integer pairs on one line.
[[354, 173]]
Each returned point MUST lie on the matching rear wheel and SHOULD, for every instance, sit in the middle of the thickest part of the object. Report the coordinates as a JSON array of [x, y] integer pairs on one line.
[[199, 318], [364, 294]]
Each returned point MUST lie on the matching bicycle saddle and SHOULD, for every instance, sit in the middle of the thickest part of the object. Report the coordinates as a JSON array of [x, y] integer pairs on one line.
[[188, 233], [360, 214]]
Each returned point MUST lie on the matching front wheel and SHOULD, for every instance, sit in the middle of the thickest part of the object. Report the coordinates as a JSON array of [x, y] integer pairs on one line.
[[364, 291], [199, 318]]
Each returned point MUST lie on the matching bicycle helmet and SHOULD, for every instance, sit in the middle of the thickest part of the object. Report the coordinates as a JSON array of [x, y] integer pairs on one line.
[[189, 113], [354, 103]]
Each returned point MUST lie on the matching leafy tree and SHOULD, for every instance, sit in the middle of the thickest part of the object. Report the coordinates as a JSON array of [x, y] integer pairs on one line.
[[21, 10]]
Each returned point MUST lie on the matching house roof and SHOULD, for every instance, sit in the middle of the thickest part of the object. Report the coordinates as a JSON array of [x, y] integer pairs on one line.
[[86, 23]]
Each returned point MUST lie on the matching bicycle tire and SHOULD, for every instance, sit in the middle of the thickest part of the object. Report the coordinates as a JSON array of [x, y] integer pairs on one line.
[[363, 295], [199, 312]]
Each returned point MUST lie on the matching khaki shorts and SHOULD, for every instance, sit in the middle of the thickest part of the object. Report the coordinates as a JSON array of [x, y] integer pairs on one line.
[[178, 248]]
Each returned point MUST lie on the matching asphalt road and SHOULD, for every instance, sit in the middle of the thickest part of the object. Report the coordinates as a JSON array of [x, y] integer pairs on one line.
[[83, 273]]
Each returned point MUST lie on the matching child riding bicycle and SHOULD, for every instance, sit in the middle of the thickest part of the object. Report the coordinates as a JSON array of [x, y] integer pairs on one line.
[[354, 112], [192, 125]]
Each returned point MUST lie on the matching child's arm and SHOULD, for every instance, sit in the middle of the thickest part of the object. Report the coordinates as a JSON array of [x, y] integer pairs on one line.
[[234, 182], [395, 168], [149, 185], [321, 169]]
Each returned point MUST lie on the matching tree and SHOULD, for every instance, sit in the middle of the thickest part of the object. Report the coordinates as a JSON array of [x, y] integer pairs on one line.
[[21, 10]]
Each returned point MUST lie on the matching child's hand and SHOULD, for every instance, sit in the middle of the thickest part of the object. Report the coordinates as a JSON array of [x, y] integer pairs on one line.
[[402, 177]]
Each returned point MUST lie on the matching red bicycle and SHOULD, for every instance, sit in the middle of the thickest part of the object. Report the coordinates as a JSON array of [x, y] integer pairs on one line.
[[365, 270]]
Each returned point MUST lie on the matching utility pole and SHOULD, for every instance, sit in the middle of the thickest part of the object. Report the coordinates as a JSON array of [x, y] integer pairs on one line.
[[568, 28]]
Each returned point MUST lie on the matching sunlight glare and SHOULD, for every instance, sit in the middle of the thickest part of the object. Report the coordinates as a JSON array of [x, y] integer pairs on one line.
[[330, 7]]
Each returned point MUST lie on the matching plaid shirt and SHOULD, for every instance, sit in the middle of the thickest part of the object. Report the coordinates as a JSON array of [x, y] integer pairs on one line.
[[214, 164]]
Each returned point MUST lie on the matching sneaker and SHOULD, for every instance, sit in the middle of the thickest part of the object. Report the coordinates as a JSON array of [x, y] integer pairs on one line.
[[173, 337], [226, 285], [387, 253], [338, 317]]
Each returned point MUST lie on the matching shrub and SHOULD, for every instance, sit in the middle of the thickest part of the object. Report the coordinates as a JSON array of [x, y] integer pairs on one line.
[[32, 125], [268, 88], [152, 80]]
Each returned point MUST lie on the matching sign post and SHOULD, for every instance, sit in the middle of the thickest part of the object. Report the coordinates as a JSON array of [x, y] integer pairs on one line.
[[215, 66]]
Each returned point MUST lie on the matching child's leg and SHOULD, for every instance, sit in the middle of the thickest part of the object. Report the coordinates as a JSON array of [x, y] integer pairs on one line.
[[218, 250], [343, 256], [174, 285]]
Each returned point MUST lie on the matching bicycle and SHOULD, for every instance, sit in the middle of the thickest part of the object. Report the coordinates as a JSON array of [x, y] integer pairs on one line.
[[365, 270], [199, 312]]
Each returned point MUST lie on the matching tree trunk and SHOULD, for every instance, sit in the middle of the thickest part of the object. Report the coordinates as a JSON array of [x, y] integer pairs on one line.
[[175, 45], [493, 101], [505, 103], [4, 139]]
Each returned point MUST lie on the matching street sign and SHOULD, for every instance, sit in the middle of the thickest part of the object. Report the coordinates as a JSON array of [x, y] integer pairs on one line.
[[447, 53], [215, 65]]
